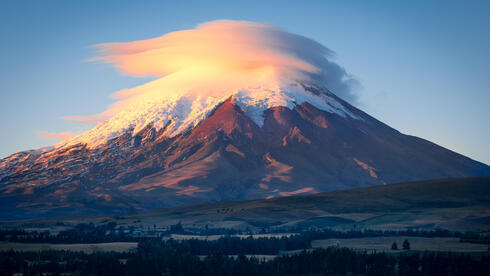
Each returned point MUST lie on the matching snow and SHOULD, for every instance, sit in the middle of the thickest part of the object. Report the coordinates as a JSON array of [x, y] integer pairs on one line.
[[254, 101], [185, 108], [258, 65]]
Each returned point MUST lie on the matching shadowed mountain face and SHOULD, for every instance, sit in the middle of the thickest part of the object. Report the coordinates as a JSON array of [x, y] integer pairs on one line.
[[461, 204], [226, 157]]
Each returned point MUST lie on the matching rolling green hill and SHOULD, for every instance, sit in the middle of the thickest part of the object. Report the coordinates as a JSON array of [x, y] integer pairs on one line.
[[454, 204]]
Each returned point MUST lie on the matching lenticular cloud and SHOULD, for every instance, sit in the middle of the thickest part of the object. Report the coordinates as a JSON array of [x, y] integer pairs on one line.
[[229, 46], [260, 66]]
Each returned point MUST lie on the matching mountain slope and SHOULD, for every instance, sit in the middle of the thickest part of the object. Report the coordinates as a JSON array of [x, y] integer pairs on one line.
[[226, 156], [454, 204]]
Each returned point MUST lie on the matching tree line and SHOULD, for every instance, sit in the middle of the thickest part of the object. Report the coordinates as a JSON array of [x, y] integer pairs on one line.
[[110, 232], [176, 258]]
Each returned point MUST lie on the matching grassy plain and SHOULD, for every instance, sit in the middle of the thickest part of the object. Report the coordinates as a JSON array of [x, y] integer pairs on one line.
[[87, 248], [416, 244]]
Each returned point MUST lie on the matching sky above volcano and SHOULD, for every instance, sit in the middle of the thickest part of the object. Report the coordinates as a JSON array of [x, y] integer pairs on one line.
[[421, 67]]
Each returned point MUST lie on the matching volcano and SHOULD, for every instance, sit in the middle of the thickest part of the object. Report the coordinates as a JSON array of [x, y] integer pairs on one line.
[[212, 135], [226, 156]]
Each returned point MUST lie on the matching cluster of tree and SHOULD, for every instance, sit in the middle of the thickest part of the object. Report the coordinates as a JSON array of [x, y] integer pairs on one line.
[[474, 237], [90, 233], [218, 231], [81, 233], [406, 245], [233, 245], [440, 233], [153, 258], [307, 237]]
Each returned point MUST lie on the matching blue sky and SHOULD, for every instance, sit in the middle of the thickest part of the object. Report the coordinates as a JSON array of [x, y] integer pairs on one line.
[[423, 66]]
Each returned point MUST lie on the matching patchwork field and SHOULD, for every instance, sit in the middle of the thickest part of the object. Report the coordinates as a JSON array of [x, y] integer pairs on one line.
[[215, 237], [260, 257], [87, 248], [416, 244]]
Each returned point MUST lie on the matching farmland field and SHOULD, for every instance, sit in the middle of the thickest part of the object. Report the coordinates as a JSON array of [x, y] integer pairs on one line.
[[416, 244], [87, 248], [215, 237]]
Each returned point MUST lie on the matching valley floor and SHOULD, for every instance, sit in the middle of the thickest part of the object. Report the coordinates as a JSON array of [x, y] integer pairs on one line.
[[368, 244], [83, 247], [383, 244]]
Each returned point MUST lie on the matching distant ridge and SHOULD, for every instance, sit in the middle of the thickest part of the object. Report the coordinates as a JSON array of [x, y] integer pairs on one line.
[[453, 204]]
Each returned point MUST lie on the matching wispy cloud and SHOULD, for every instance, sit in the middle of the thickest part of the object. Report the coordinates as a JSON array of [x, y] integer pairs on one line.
[[55, 135], [90, 119]]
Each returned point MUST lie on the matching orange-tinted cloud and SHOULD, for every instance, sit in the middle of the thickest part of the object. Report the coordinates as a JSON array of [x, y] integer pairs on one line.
[[228, 46], [54, 135], [224, 44], [197, 68]]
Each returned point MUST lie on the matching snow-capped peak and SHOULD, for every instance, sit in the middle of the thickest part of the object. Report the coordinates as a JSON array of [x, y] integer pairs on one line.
[[179, 102], [260, 66]]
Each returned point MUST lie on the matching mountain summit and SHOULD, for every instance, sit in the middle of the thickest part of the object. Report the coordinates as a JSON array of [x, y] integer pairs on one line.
[[251, 111]]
